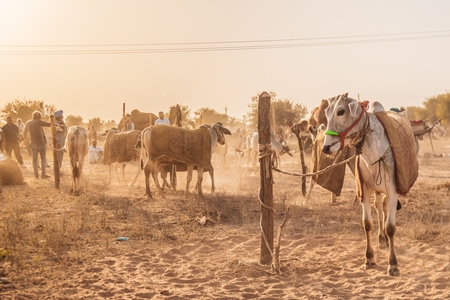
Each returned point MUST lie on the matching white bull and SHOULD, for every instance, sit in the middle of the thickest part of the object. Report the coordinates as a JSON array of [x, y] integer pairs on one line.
[[252, 147], [77, 146], [349, 123]]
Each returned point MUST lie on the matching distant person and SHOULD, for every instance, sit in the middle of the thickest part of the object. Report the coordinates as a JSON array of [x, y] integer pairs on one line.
[[95, 153], [21, 126], [403, 111], [129, 125], [61, 133], [11, 132], [35, 134], [161, 119]]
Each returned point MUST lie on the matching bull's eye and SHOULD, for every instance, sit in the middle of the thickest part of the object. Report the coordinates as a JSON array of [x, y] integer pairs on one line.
[[341, 112]]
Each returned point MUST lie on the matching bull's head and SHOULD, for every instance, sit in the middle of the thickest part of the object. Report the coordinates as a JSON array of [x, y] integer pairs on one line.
[[343, 115]]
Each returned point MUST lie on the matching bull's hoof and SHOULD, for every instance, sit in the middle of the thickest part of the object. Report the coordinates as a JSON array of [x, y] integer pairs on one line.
[[370, 265], [393, 271]]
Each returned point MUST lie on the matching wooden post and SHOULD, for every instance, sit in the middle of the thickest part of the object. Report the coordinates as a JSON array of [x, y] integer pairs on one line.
[[55, 152], [266, 180], [124, 127]]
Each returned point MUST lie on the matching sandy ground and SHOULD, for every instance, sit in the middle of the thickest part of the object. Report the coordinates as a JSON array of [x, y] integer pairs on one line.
[[68, 247]]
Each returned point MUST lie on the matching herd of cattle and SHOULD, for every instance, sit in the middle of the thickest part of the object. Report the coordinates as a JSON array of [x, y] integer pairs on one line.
[[378, 146]]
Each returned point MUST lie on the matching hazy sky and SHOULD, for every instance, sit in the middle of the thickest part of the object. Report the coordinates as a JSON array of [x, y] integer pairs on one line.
[[399, 70]]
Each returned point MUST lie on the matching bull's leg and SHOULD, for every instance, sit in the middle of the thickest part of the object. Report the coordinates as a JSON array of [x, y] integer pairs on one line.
[[109, 176], [80, 176], [381, 214], [199, 181], [116, 167], [333, 198], [249, 157], [390, 230], [155, 180], [137, 176], [368, 225], [211, 174], [147, 183], [190, 169], [163, 176], [123, 173]]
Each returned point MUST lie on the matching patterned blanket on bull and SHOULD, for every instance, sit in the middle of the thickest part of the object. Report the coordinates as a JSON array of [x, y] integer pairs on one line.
[[401, 137], [119, 147], [169, 143]]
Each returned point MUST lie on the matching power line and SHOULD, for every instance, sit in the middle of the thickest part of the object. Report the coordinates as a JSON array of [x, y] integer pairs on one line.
[[241, 45]]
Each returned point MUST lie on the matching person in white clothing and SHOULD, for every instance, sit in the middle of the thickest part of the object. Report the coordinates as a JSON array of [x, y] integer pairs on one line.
[[95, 153], [161, 119]]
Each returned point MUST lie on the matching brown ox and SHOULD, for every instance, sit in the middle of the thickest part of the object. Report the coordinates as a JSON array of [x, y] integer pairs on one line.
[[150, 160], [77, 148], [119, 148]]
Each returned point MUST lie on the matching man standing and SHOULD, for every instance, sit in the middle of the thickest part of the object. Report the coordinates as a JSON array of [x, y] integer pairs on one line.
[[161, 119], [61, 132], [11, 132], [129, 125], [35, 134]]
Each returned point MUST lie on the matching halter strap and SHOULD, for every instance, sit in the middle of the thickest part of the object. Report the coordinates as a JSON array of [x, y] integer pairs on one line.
[[364, 106]]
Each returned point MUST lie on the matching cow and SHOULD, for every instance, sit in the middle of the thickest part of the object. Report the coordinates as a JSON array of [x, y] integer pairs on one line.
[[386, 162], [77, 147], [252, 147], [150, 166], [120, 148]]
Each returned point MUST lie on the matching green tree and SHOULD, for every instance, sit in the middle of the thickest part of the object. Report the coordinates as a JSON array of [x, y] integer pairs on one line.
[[206, 115], [443, 109], [74, 120], [24, 109], [283, 110], [416, 113], [109, 124], [97, 122]]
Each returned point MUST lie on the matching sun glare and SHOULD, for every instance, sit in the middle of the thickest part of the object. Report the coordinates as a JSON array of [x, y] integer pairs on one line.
[[15, 17]]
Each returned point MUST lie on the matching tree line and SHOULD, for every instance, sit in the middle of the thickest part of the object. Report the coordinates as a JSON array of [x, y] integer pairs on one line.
[[283, 111]]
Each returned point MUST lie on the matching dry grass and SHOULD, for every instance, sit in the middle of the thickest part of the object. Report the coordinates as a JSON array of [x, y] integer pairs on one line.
[[44, 231]]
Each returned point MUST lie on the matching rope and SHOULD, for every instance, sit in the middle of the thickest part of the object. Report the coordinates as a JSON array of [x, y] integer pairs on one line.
[[378, 179], [265, 152], [334, 165]]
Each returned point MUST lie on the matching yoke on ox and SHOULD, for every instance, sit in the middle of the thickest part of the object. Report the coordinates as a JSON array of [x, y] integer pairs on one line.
[[386, 161], [77, 147], [162, 143]]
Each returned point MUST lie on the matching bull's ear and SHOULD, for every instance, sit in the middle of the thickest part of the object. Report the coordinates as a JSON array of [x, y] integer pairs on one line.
[[353, 106], [225, 131]]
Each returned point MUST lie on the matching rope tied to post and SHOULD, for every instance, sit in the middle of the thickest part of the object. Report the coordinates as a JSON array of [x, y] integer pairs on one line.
[[265, 152]]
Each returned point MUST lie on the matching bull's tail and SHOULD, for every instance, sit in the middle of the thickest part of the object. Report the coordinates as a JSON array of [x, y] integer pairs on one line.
[[73, 153]]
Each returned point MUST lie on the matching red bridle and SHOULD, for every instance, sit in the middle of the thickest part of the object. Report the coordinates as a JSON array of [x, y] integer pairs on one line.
[[364, 106]]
